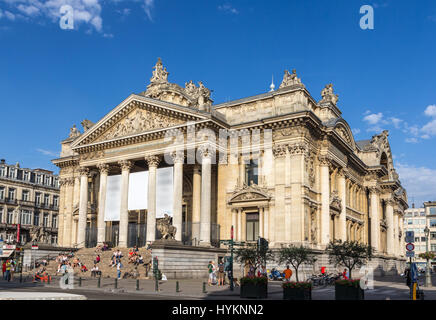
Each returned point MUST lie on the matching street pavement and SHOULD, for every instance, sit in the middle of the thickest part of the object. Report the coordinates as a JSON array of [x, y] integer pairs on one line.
[[385, 288]]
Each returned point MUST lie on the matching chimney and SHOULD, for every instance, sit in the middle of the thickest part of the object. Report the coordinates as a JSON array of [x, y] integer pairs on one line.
[[2, 161], [413, 205]]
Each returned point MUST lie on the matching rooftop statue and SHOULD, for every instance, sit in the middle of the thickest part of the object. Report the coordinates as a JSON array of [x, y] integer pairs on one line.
[[290, 79], [160, 74], [328, 95], [87, 124], [74, 132]]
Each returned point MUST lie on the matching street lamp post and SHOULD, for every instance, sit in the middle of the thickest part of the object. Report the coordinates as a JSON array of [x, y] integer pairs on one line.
[[428, 283]]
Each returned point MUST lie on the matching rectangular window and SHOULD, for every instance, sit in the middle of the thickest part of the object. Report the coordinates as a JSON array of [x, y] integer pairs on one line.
[[432, 223], [10, 217], [252, 226], [26, 176], [416, 239], [2, 192], [1, 215], [25, 217], [433, 247], [422, 239], [54, 223], [11, 194], [25, 196], [410, 221], [36, 219], [422, 214], [432, 210], [37, 198], [252, 173], [2, 171], [38, 179], [11, 172], [46, 199], [432, 235], [45, 220], [55, 201], [47, 180]]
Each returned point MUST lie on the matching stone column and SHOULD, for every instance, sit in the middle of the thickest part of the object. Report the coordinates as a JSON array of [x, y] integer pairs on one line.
[[390, 225], [178, 159], [234, 222], [196, 203], [261, 222], [239, 238], [343, 215], [124, 209], [241, 171], [83, 207], [104, 169], [401, 239], [375, 222], [325, 201], [153, 163], [396, 233], [205, 219], [266, 223]]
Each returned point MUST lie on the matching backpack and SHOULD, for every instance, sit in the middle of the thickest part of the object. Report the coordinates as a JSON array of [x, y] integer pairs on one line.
[[221, 268]]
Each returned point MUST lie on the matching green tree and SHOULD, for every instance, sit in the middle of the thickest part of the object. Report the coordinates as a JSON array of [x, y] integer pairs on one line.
[[350, 254], [427, 256], [296, 256], [251, 254]]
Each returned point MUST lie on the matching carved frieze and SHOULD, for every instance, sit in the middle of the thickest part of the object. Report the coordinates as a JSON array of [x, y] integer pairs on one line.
[[279, 150]]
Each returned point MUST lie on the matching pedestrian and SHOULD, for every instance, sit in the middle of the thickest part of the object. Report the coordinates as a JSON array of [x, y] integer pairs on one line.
[[345, 274], [408, 276], [97, 259], [119, 266], [210, 271], [288, 273], [221, 274], [8, 270], [4, 269]]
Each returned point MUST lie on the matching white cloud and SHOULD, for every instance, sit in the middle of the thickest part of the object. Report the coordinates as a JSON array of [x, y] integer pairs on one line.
[[48, 152], [430, 111], [355, 131], [28, 10], [429, 129], [419, 182], [148, 5], [10, 15], [228, 8], [373, 118], [396, 122], [411, 140]]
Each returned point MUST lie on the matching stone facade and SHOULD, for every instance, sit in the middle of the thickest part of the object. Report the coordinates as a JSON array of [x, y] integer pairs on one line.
[[302, 179], [29, 198]]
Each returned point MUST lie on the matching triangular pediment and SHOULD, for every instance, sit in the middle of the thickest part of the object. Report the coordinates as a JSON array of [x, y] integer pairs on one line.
[[135, 116]]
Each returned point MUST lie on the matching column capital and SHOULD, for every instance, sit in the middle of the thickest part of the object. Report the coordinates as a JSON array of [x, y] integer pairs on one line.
[[279, 151], [374, 189], [103, 167], [83, 171], [298, 148], [390, 202], [342, 172], [324, 160], [178, 156], [125, 165], [152, 160], [205, 152]]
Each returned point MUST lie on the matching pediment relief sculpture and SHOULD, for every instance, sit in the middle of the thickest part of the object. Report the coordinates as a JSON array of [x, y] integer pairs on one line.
[[139, 120], [252, 192]]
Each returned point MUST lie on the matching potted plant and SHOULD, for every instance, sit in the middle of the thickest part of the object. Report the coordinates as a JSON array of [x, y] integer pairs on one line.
[[254, 287], [296, 256], [297, 290], [349, 254], [252, 256]]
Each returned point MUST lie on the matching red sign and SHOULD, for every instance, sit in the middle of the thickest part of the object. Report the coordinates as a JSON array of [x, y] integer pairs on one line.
[[231, 233], [410, 247]]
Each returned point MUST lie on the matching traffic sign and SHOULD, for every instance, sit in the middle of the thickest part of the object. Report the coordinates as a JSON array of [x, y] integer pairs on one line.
[[410, 236], [410, 247], [410, 254]]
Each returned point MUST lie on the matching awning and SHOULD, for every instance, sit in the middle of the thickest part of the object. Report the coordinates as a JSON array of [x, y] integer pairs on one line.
[[7, 253]]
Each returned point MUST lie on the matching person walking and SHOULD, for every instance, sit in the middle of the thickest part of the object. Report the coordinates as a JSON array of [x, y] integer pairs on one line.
[[288, 273], [4, 269], [210, 271], [8, 270], [221, 274]]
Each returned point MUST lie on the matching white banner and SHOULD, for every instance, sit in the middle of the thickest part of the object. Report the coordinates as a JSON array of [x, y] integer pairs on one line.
[[113, 198], [164, 192]]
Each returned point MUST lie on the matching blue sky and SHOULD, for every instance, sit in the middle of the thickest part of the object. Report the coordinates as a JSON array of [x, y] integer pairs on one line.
[[52, 78]]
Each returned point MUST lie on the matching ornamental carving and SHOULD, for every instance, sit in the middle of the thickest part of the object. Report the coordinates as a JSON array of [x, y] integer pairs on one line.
[[125, 165], [92, 155], [178, 156], [83, 171], [252, 192], [290, 79], [310, 168], [103, 167], [74, 132], [279, 150], [298, 148], [335, 201], [140, 120], [86, 124], [190, 96], [152, 161], [313, 226]]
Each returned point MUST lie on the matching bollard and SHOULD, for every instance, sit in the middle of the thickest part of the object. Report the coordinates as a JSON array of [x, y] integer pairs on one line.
[[177, 286], [116, 283], [204, 287], [98, 282], [137, 284], [80, 281], [156, 285]]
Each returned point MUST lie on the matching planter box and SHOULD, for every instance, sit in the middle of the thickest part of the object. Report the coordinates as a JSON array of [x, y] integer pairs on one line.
[[257, 291], [348, 293], [297, 294]]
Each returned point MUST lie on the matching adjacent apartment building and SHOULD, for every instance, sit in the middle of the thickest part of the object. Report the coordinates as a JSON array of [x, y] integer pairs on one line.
[[29, 204]]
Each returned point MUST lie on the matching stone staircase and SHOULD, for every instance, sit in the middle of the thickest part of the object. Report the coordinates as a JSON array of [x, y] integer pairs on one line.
[[88, 255]]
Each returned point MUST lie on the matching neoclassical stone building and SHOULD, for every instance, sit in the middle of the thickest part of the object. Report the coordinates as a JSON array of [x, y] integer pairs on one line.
[[288, 169]]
